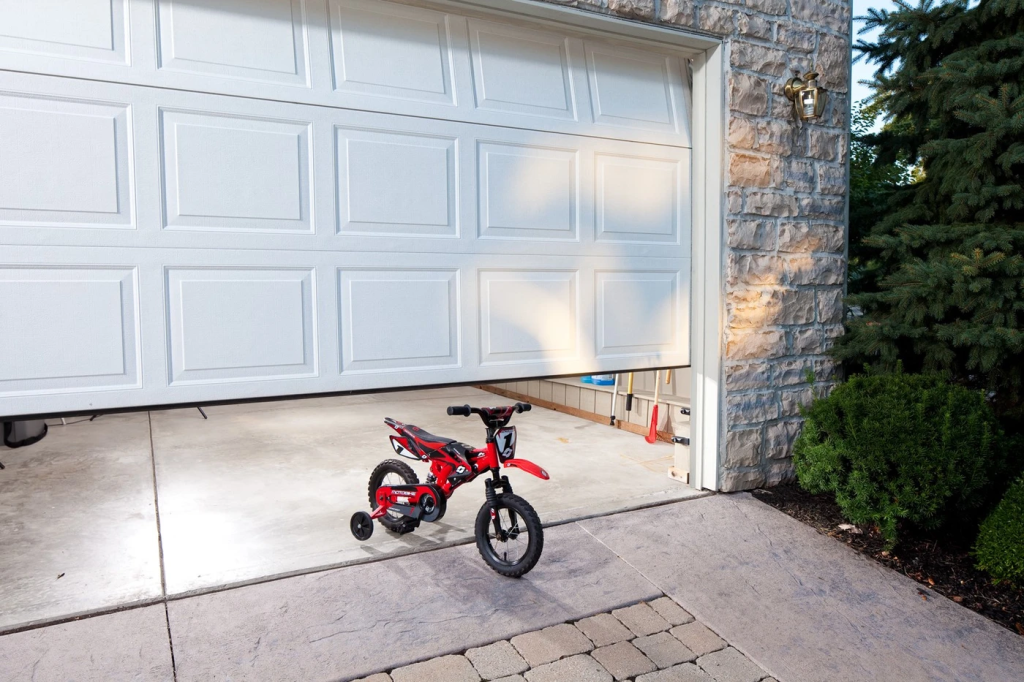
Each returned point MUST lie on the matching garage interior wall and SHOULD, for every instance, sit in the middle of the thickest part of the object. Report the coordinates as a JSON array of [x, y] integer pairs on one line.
[[572, 392]]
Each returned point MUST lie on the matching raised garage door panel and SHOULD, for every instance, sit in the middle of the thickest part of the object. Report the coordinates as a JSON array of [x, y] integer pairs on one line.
[[362, 54], [172, 233]]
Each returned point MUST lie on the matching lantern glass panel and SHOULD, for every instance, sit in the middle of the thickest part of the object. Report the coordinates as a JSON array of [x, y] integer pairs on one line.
[[819, 103], [808, 103]]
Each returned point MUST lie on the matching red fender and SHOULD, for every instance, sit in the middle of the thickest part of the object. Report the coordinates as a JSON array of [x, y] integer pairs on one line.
[[528, 467]]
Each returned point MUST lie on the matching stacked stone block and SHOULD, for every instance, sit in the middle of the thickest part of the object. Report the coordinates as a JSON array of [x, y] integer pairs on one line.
[[785, 222]]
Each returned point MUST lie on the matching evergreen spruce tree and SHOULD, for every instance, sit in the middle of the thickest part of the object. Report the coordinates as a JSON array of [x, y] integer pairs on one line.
[[950, 250], [872, 183]]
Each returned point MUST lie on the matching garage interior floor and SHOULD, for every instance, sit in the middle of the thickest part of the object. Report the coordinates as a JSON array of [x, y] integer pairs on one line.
[[131, 508]]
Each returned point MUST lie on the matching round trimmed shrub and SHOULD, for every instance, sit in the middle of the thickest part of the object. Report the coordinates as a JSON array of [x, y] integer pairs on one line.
[[1000, 545], [900, 448]]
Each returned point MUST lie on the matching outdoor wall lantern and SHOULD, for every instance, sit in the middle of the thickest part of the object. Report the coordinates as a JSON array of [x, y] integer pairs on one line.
[[808, 99]]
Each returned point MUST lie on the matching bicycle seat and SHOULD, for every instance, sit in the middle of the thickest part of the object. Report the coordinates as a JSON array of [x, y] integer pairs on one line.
[[425, 438]]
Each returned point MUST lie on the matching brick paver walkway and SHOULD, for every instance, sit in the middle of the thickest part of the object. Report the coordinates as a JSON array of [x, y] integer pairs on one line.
[[653, 641]]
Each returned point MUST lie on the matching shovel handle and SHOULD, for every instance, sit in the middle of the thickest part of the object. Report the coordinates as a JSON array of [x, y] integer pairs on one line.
[[615, 399]]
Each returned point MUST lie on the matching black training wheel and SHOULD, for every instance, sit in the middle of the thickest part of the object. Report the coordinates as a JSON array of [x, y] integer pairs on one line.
[[361, 525]]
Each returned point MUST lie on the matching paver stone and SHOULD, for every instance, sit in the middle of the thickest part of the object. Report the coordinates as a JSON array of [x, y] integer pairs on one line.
[[641, 619], [579, 668], [497, 660], [698, 638], [443, 669], [604, 629], [664, 649], [623, 660], [729, 665], [551, 644]]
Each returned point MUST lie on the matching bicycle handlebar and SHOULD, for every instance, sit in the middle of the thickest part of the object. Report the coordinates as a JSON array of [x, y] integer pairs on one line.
[[466, 410]]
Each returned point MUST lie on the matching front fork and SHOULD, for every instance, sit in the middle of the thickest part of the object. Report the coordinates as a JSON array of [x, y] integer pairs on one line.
[[501, 483]]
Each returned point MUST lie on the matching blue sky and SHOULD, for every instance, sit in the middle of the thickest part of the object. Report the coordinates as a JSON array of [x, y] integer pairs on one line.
[[862, 70]]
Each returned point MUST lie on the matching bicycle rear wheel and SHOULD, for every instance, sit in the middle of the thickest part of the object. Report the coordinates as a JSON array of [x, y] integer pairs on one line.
[[393, 472]]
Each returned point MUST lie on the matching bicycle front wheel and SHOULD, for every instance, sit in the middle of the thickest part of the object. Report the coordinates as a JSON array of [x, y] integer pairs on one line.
[[514, 547]]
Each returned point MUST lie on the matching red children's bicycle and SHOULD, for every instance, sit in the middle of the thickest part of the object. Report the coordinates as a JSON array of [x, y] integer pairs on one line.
[[508, 531]]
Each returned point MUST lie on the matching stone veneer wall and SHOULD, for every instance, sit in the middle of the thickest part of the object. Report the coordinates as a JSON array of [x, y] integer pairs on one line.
[[785, 214]]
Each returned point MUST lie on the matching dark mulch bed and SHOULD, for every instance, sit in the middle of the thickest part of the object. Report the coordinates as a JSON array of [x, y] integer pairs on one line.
[[942, 565]]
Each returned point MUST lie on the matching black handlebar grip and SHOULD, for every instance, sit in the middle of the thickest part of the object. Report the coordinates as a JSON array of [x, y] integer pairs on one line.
[[523, 407], [459, 411]]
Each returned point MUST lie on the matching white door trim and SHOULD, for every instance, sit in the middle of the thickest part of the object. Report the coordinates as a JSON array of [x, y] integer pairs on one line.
[[592, 21], [708, 266]]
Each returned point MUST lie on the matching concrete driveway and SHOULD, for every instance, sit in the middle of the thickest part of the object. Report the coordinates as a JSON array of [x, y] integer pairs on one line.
[[129, 509], [798, 606]]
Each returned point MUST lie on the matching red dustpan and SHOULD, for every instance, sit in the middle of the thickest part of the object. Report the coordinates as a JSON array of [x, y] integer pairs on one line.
[[652, 437]]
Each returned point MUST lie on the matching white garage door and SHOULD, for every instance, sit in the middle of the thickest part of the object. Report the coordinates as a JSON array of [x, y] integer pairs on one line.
[[222, 199]]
